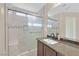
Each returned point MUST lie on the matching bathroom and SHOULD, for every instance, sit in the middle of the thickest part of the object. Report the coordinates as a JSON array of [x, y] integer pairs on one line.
[[22, 23]]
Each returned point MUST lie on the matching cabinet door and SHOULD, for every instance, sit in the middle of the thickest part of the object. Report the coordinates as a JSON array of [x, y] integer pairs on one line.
[[40, 48], [48, 51]]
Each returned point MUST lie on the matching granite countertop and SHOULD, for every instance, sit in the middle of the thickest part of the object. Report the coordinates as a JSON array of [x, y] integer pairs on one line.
[[65, 48]]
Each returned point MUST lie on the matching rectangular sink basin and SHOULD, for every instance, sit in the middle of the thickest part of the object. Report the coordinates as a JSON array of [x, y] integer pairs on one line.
[[49, 41]]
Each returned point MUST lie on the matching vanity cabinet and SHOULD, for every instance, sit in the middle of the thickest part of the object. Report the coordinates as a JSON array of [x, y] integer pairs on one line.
[[40, 48], [48, 51], [44, 50], [59, 54]]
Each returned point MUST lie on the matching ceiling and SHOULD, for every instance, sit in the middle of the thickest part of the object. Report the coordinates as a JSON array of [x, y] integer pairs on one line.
[[64, 7], [33, 7]]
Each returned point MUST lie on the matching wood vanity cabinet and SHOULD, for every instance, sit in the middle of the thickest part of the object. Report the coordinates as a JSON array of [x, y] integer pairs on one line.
[[48, 51], [44, 50], [40, 48], [59, 54]]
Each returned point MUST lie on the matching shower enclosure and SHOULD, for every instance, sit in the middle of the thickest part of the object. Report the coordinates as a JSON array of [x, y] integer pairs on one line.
[[23, 29]]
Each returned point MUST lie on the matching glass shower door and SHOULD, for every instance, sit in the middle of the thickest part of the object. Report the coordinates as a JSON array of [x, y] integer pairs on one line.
[[23, 30]]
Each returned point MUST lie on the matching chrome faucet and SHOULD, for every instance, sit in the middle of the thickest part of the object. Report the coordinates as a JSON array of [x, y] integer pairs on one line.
[[53, 35]]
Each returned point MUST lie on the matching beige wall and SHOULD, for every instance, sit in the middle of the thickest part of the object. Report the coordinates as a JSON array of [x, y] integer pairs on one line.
[[61, 23], [2, 30]]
